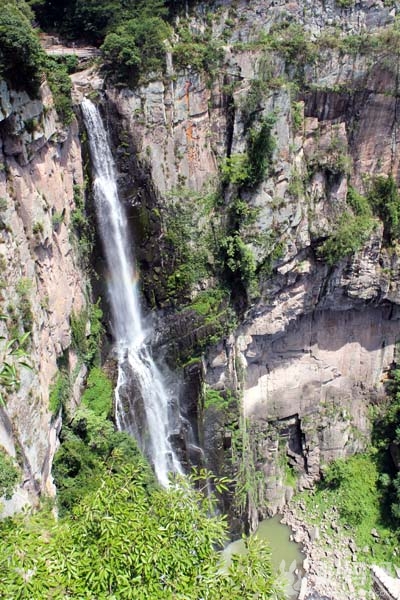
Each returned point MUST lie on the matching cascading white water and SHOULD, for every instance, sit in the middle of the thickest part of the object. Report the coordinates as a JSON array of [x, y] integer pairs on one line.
[[140, 387]]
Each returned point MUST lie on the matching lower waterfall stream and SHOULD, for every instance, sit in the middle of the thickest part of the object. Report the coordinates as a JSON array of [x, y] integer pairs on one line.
[[143, 404], [142, 400]]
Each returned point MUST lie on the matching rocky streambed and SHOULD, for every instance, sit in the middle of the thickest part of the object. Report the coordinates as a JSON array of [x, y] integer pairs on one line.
[[333, 570]]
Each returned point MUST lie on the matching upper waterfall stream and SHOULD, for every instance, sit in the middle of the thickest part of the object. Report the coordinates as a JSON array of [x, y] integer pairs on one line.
[[141, 398]]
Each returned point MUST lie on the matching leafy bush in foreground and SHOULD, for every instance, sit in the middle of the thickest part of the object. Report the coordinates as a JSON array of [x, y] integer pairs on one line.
[[128, 541]]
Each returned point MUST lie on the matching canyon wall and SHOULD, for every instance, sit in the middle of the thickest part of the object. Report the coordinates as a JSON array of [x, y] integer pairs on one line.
[[316, 340], [41, 279], [301, 342]]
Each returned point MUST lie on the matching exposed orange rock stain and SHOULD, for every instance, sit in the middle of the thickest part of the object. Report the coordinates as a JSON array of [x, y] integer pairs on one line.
[[188, 85], [189, 132], [191, 153]]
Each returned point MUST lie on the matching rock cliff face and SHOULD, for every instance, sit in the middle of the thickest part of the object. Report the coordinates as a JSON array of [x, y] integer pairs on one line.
[[312, 339], [41, 279], [316, 341]]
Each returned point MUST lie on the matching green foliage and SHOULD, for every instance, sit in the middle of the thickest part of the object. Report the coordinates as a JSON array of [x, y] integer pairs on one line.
[[98, 393], [250, 168], [37, 228], [69, 61], [21, 55], [352, 488], [252, 104], [93, 19], [208, 303], [59, 392], [275, 250], [212, 318], [297, 115], [81, 226], [23, 288], [60, 85], [385, 201], [261, 147], [235, 169], [198, 50], [354, 483], [333, 159], [86, 329], [293, 43], [238, 258], [129, 541], [56, 219], [136, 47], [9, 475], [80, 464], [186, 245], [358, 203], [217, 400], [241, 214], [350, 234], [353, 230], [291, 477], [386, 437], [13, 355]]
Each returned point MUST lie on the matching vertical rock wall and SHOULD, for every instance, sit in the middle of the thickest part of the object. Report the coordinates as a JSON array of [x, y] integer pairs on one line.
[[41, 279], [315, 341]]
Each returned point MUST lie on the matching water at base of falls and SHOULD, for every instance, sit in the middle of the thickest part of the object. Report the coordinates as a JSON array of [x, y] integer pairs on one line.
[[143, 404], [287, 557]]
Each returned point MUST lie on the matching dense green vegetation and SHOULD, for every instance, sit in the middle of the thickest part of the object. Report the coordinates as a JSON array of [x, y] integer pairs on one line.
[[9, 475], [384, 198], [351, 232], [87, 329], [13, 356], [365, 489], [80, 465], [353, 229], [60, 85], [59, 391], [136, 47], [386, 438], [127, 540], [352, 487], [21, 56], [23, 63]]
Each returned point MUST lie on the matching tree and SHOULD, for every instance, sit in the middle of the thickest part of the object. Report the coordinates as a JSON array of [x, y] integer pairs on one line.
[[129, 541], [136, 47], [21, 55], [385, 201]]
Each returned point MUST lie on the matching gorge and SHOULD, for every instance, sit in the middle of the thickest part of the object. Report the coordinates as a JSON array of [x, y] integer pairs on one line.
[[257, 167], [147, 413]]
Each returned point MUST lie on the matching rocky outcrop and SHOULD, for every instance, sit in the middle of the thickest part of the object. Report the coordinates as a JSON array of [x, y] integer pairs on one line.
[[385, 586], [41, 278], [333, 567]]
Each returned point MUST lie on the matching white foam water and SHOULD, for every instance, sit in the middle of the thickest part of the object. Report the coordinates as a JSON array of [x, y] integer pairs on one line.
[[142, 402]]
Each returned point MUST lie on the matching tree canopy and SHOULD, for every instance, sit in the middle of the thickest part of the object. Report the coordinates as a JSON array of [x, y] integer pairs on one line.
[[128, 540], [21, 55]]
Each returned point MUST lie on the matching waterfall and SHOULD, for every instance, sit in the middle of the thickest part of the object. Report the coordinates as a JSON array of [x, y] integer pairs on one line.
[[142, 402]]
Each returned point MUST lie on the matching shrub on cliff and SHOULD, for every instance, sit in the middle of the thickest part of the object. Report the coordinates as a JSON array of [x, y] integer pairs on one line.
[[21, 55], [9, 474], [136, 47], [350, 235], [384, 198]]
